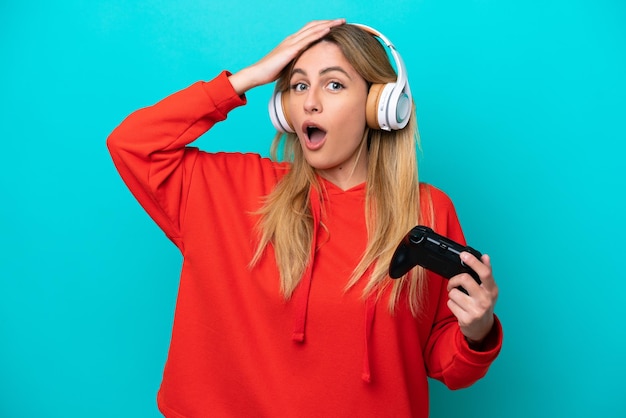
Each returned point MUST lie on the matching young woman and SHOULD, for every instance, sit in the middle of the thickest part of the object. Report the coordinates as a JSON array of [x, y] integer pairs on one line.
[[285, 307]]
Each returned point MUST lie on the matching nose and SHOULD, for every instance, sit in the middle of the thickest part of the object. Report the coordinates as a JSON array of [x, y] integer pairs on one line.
[[312, 102]]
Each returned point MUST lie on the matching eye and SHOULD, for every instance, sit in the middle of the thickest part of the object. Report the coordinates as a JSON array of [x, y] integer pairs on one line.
[[334, 86], [298, 87]]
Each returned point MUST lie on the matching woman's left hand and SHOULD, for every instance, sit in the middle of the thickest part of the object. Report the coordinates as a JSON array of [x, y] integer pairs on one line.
[[474, 310]]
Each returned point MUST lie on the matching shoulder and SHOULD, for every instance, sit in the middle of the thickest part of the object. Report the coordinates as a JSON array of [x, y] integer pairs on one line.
[[438, 212], [435, 198]]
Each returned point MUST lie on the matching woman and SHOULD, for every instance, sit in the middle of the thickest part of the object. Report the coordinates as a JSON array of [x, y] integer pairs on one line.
[[285, 308]]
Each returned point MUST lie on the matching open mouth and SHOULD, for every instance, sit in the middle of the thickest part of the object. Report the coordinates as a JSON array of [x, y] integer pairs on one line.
[[315, 134]]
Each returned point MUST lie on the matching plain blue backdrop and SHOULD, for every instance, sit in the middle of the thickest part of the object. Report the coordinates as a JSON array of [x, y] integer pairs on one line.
[[521, 106]]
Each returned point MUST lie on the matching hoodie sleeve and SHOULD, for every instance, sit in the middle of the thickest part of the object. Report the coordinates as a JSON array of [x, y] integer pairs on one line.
[[149, 148], [448, 355]]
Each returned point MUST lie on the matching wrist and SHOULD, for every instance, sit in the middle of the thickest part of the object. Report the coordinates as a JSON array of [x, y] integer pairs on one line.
[[242, 81], [488, 341], [476, 345]]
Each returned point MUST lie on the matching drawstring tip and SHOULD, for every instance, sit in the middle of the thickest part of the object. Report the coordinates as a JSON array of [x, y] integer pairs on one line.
[[367, 378], [298, 337]]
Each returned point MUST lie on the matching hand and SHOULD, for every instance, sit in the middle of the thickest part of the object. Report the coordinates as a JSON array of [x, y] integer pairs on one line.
[[474, 310], [269, 67]]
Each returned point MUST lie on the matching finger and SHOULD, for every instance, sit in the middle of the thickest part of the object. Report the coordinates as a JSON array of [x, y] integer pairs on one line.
[[471, 261], [483, 269], [486, 260], [460, 312], [319, 24], [468, 309], [456, 309], [465, 281], [269, 67], [460, 299], [313, 31], [292, 45]]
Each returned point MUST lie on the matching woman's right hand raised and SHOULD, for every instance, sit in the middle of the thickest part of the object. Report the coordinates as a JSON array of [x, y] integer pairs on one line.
[[269, 67]]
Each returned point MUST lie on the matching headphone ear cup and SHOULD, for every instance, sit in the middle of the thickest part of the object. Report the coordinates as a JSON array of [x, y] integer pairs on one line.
[[387, 108], [278, 114], [382, 101], [403, 110], [371, 106], [285, 105]]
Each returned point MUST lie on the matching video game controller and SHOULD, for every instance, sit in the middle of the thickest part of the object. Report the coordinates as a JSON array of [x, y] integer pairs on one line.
[[423, 246]]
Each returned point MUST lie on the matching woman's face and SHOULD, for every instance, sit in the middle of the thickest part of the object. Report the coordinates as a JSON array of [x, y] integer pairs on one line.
[[327, 109]]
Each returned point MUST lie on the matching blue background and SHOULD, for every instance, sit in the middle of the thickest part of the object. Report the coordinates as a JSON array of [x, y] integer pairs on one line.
[[521, 106]]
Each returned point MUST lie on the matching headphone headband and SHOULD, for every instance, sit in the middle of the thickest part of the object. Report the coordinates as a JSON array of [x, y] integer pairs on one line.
[[400, 68]]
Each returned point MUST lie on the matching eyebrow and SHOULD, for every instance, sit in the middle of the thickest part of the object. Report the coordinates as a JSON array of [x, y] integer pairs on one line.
[[322, 72]]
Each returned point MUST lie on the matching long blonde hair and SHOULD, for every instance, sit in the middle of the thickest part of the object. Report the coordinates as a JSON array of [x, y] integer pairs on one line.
[[392, 192]]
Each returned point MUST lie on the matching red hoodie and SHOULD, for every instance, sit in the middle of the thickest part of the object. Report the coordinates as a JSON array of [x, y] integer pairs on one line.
[[238, 348]]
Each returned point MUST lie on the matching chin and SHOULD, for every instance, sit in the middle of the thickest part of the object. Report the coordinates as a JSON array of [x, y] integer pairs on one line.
[[317, 162]]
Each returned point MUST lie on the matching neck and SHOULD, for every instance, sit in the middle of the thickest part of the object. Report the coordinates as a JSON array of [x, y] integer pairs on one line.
[[347, 177], [342, 183]]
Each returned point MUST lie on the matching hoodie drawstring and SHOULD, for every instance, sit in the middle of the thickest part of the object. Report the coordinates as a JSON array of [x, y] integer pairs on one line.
[[370, 312], [301, 296]]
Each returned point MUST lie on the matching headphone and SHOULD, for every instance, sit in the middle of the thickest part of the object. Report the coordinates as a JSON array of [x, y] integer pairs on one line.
[[388, 106]]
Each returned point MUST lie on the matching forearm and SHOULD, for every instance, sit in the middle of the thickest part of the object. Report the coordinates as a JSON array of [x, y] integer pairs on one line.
[[175, 121]]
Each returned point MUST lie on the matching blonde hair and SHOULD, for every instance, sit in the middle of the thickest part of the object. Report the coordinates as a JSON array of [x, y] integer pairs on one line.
[[392, 189]]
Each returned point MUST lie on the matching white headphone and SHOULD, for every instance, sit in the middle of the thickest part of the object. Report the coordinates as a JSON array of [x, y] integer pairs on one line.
[[388, 105]]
